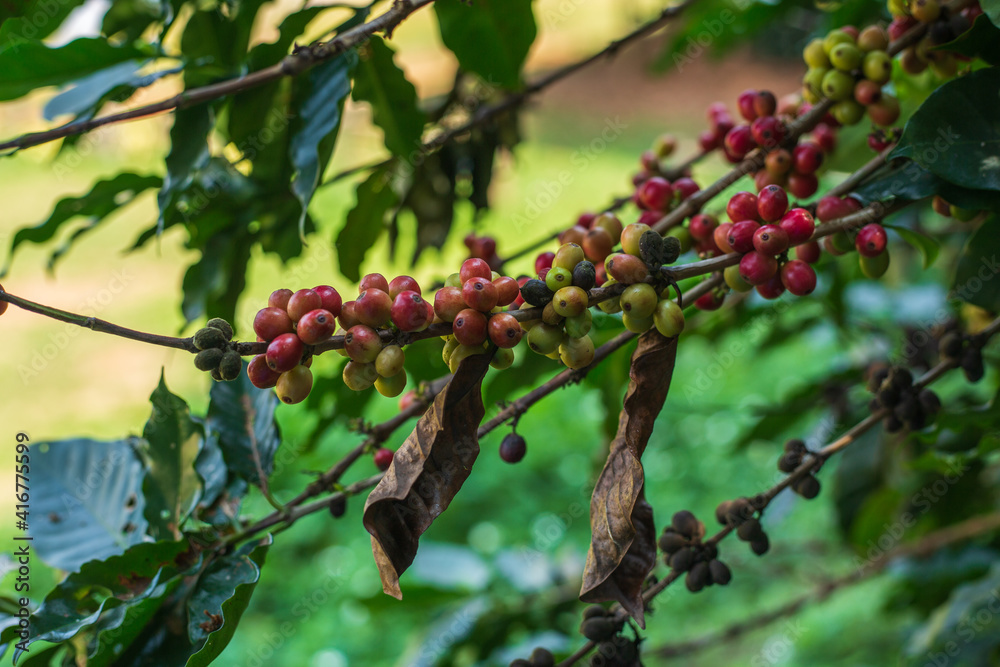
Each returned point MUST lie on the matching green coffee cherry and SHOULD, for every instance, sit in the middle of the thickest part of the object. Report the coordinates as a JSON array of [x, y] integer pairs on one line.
[[557, 278], [389, 361], [668, 318], [637, 324], [545, 338], [579, 325], [358, 376], [639, 300], [577, 352], [735, 280], [874, 267], [504, 358], [390, 387]]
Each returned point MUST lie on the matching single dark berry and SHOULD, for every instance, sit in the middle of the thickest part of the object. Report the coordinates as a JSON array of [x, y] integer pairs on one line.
[[682, 559], [929, 401], [876, 378], [721, 574], [209, 337], [584, 275], [740, 510], [542, 657], [536, 292], [383, 458], [888, 395], [901, 378], [221, 325], [807, 487], [686, 524], [950, 345], [338, 505], [671, 542], [216, 375], [230, 365], [972, 364], [789, 461], [761, 545], [594, 611], [892, 424], [597, 629], [917, 421], [698, 577], [722, 511], [796, 445], [513, 448], [749, 530], [209, 359]]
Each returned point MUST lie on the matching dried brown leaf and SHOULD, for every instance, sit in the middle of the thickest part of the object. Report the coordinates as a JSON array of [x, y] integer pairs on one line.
[[427, 471], [623, 535]]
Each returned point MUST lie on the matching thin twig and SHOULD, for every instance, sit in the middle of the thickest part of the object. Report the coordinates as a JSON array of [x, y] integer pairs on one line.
[[292, 65]]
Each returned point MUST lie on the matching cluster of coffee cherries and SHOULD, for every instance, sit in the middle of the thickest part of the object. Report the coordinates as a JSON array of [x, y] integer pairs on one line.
[[763, 127], [472, 300], [762, 229], [741, 514], [943, 25], [215, 354], [614, 649], [644, 305], [562, 291], [966, 351], [792, 457], [540, 657], [681, 542], [289, 323], [909, 406], [485, 248], [850, 67], [870, 241], [595, 234]]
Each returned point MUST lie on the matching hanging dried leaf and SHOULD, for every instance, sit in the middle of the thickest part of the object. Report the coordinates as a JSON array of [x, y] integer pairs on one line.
[[426, 472], [623, 543]]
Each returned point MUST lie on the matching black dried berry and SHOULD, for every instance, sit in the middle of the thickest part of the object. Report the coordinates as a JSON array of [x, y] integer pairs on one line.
[[230, 366], [671, 541], [594, 611], [682, 559], [907, 407], [749, 530], [338, 505], [721, 574], [807, 487], [876, 378], [216, 375], [536, 292], [686, 524], [698, 577], [789, 461], [722, 511], [950, 345], [761, 545], [221, 325], [208, 360], [542, 657], [972, 364], [597, 629], [795, 445], [209, 337], [901, 378], [888, 395], [892, 424], [584, 276]]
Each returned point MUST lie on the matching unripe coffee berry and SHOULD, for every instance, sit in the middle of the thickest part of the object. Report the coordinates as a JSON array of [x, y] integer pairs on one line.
[[207, 338], [359, 376], [668, 318], [218, 323], [231, 365], [294, 385], [209, 359], [639, 300], [391, 386], [557, 278], [389, 361], [570, 301], [626, 269]]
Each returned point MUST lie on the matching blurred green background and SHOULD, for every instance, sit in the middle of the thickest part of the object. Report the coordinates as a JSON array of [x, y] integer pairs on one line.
[[504, 562]]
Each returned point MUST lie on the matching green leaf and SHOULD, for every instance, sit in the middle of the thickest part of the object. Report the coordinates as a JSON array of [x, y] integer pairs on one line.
[[490, 38], [980, 41], [975, 276], [173, 441], [928, 247], [108, 587], [318, 104], [189, 153], [86, 500], [365, 222], [32, 19], [213, 285], [393, 98], [961, 622], [242, 416], [116, 630], [28, 65], [992, 9], [225, 590], [954, 133], [120, 82], [907, 181], [105, 197]]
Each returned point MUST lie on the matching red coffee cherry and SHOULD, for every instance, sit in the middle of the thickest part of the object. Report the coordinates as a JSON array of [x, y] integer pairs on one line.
[[331, 299], [261, 376], [809, 252], [721, 237], [475, 268], [757, 268], [770, 240], [373, 281], [544, 261], [362, 344], [402, 284], [316, 326], [799, 225], [279, 298], [802, 185], [871, 240], [373, 307], [294, 386], [448, 302], [798, 277], [505, 330], [807, 158], [271, 322], [383, 458], [772, 289], [772, 203], [470, 327], [284, 353], [348, 317], [702, 226], [302, 302], [741, 235], [507, 290], [409, 311], [742, 206], [480, 294], [656, 194]]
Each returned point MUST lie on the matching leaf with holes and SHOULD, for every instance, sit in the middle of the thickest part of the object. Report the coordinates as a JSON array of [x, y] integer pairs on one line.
[[86, 500], [427, 471], [623, 535]]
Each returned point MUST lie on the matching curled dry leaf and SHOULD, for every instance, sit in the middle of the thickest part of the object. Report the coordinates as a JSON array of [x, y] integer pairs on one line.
[[623, 536], [426, 472]]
